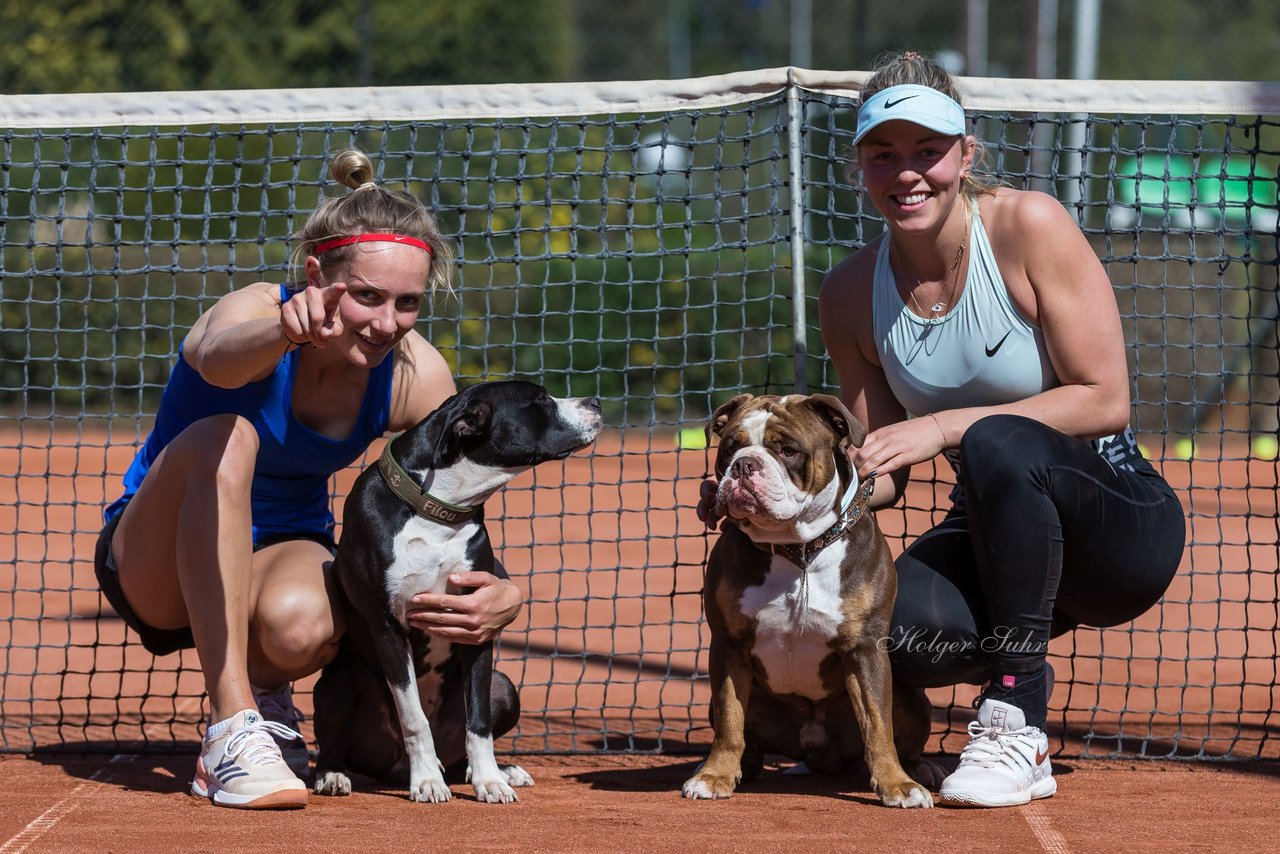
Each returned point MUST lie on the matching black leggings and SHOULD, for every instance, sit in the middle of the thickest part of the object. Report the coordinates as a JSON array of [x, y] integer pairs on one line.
[[1052, 536]]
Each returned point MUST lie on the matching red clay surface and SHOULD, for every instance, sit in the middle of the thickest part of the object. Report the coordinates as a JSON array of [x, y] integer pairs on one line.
[[609, 656], [610, 803]]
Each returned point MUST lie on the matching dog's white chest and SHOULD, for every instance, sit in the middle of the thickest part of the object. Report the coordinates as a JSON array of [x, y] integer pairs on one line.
[[797, 615], [423, 554]]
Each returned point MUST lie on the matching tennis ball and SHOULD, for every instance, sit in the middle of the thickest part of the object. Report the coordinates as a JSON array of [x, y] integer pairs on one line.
[[691, 438], [1184, 449], [1142, 449], [1265, 447]]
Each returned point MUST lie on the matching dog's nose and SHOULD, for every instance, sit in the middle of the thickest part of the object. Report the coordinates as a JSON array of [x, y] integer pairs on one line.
[[744, 467], [592, 403]]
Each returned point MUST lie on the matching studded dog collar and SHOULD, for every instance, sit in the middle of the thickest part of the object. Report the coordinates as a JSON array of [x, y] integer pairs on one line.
[[423, 503], [802, 553]]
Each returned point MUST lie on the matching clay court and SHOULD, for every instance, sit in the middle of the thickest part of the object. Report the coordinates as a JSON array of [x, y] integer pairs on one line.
[[631, 803], [612, 659]]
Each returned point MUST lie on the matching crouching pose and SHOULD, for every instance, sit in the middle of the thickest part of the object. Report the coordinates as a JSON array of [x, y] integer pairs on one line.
[[981, 326], [222, 538]]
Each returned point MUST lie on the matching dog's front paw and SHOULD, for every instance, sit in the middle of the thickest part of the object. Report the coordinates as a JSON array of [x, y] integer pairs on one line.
[[431, 789], [513, 774], [494, 790], [332, 783], [516, 776], [705, 787], [907, 794]]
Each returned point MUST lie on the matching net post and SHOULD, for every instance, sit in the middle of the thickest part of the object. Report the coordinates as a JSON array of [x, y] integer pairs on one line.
[[795, 157], [1084, 67]]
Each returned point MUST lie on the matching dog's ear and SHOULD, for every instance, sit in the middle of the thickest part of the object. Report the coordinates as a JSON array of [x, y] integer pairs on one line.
[[839, 417], [848, 428], [723, 413], [467, 422], [474, 420]]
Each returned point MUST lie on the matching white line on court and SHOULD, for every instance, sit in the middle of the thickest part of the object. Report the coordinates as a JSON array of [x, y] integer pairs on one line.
[[45, 822], [1050, 840]]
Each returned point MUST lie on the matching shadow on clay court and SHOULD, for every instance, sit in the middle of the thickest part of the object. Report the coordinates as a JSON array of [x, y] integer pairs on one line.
[[162, 773], [1077, 738], [853, 785], [669, 778], [1262, 768]]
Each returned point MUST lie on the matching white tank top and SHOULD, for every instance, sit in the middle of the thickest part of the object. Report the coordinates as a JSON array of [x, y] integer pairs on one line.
[[982, 352]]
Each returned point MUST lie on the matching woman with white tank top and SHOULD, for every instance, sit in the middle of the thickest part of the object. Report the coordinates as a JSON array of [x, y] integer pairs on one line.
[[981, 326]]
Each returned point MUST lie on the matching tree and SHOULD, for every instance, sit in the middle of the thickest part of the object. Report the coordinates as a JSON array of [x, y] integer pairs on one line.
[[168, 45]]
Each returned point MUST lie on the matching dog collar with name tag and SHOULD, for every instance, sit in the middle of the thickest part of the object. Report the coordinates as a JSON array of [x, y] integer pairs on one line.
[[423, 503], [851, 509]]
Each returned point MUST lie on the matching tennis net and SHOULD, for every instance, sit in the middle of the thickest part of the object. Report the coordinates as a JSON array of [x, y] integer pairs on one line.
[[657, 245]]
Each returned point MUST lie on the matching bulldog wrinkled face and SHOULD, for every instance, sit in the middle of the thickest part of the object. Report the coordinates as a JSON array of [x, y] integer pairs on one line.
[[777, 465]]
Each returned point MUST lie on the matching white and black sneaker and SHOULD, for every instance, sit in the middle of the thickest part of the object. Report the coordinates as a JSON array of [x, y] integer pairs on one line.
[[1005, 764]]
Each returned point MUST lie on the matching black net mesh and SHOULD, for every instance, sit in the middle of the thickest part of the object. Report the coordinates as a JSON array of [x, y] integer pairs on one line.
[[645, 259]]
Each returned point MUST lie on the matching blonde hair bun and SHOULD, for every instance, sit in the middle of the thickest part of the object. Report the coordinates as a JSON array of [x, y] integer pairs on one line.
[[352, 168]]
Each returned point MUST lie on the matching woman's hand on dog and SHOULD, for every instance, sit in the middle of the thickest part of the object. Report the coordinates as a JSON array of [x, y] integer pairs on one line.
[[474, 617], [899, 445]]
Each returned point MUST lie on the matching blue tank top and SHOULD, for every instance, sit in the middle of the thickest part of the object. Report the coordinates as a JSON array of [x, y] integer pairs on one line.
[[290, 493]]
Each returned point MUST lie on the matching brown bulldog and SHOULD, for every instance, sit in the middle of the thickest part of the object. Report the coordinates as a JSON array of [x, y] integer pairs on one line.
[[798, 596]]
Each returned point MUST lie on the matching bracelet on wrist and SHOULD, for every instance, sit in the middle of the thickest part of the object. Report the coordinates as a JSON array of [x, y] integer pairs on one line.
[[943, 433], [284, 334]]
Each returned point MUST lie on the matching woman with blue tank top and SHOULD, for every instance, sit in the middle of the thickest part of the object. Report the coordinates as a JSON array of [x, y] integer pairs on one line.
[[223, 536], [981, 326]]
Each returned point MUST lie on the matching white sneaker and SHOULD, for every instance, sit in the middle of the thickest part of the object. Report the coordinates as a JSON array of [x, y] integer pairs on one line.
[[242, 766], [277, 707], [1005, 764]]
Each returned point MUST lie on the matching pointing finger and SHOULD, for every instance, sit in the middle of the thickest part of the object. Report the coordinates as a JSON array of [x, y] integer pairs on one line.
[[332, 296]]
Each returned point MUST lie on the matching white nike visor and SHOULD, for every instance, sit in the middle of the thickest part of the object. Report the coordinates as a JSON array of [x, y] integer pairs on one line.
[[921, 105]]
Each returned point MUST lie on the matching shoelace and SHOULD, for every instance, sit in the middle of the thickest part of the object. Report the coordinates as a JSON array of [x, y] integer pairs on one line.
[[987, 745], [254, 742]]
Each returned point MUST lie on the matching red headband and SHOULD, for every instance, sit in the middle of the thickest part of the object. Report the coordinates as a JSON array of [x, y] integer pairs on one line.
[[322, 248]]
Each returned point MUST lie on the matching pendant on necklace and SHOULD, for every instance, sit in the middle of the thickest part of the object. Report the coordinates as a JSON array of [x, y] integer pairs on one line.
[[937, 306]]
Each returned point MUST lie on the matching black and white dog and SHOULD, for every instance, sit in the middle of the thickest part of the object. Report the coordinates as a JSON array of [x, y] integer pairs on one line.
[[408, 523]]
